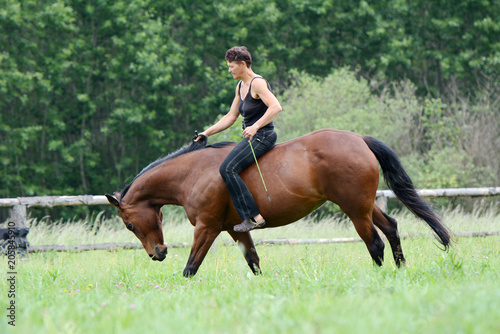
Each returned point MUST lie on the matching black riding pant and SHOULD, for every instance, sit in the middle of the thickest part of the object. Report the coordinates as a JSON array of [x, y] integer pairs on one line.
[[239, 159]]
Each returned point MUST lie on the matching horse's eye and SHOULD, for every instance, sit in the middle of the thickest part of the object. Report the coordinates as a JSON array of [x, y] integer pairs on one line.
[[130, 226]]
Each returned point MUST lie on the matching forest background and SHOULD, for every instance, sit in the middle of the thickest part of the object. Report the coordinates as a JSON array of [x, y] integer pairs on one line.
[[92, 91]]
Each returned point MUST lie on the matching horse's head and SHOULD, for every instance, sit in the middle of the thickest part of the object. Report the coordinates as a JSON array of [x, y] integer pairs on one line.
[[145, 221]]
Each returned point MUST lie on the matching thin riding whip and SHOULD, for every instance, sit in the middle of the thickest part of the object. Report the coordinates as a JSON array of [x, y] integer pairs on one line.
[[261, 177]]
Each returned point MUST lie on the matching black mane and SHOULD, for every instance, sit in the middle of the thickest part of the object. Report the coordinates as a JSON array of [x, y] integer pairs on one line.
[[194, 146]]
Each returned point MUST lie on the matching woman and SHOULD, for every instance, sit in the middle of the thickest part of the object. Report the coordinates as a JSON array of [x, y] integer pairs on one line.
[[259, 107]]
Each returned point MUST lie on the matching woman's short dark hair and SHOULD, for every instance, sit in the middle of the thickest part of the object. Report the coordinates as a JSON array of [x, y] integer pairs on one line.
[[239, 53]]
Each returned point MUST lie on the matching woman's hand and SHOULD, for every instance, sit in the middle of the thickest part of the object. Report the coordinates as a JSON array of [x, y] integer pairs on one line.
[[250, 131], [202, 136]]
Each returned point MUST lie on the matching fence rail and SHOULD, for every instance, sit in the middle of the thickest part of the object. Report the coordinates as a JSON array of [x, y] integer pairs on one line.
[[383, 195], [284, 241]]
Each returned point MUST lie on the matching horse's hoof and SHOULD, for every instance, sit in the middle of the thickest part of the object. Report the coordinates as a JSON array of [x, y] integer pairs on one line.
[[189, 272]]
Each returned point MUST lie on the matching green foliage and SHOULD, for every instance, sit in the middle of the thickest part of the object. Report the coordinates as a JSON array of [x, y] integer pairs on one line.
[[425, 133], [339, 101], [446, 168]]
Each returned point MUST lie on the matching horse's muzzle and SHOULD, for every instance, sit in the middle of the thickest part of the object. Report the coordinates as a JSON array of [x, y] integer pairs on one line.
[[160, 255]]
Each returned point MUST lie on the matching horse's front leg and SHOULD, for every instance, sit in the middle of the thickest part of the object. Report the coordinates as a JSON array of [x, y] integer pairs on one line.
[[248, 249], [204, 236]]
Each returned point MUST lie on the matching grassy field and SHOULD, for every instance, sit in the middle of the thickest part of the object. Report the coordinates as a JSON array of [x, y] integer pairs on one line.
[[330, 288]]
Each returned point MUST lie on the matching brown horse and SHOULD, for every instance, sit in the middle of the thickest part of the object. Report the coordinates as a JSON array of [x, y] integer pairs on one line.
[[300, 174]]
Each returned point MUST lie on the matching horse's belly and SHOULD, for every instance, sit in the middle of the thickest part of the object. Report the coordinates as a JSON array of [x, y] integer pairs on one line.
[[290, 214]]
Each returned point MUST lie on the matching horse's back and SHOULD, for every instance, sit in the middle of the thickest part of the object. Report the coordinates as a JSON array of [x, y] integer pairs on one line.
[[327, 159], [318, 158]]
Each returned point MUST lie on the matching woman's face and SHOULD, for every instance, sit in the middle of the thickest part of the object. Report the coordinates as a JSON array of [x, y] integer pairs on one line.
[[236, 68]]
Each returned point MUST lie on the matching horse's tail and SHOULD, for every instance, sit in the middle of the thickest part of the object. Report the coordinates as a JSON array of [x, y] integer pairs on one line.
[[402, 186]]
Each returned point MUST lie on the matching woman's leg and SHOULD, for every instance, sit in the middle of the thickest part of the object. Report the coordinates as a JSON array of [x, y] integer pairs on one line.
[[239, 159]]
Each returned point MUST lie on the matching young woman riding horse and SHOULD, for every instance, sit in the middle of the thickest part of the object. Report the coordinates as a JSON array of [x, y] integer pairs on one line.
[[259, 107], [215, 185]]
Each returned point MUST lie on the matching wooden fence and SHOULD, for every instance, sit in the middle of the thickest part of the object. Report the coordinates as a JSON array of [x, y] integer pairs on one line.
[[20, 205], [383, 195]]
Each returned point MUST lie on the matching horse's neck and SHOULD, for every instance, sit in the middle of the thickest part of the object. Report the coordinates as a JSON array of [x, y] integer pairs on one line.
[[160, 186]]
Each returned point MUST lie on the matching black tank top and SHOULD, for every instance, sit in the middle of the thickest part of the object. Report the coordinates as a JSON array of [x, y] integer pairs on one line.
[[252, 109]]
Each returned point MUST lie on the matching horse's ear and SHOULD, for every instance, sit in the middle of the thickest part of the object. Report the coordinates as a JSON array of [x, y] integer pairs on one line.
[[113, 200]]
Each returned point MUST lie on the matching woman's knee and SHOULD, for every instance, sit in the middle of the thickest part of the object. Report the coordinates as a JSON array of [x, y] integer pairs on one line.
[[225, 171]]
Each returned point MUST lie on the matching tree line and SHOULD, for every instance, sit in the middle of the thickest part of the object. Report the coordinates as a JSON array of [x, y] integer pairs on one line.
[[92, 91]]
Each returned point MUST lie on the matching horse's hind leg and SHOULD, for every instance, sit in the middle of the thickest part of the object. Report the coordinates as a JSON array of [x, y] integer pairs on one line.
[[366, 230], [389, 227], [248, 249]]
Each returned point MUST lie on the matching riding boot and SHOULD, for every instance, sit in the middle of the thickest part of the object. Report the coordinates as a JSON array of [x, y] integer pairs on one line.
[[248, 225]]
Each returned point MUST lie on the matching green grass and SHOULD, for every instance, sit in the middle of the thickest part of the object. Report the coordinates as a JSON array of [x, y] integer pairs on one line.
[[330, 288]]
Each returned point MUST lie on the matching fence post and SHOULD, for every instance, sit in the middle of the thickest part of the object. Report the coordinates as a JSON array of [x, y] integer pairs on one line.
[[17, 223], [381, 202], [18, 215]]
